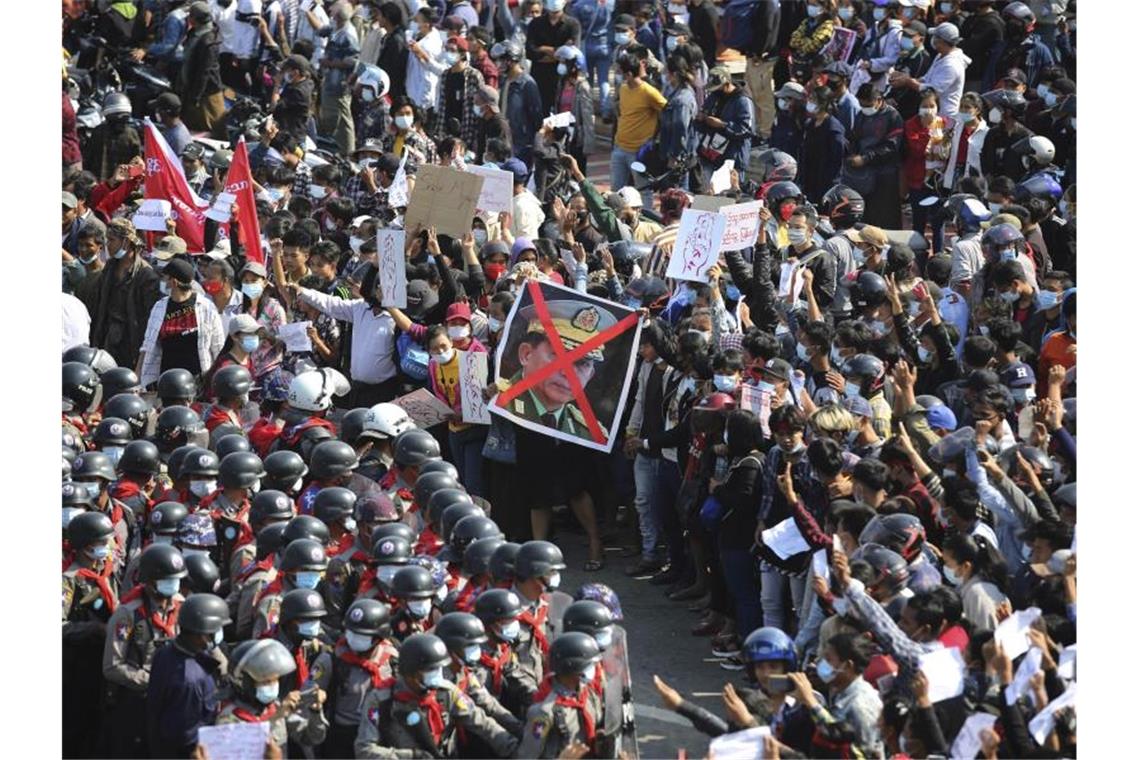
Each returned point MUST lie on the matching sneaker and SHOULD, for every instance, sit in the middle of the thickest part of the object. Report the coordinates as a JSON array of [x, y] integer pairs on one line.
[[733, 663], [645, 567], [725, 646], [666, 577]]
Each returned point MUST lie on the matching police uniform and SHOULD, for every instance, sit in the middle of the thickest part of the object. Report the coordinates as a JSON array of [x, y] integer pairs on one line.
[[404, 624], [408, 725], [305, 726], [354, 679], [231, 524], [89, 599], [472, 685], [314, 669], [535, 634], [400, 492], [135, 631], [576, 323], [343, 578], [559, 719], [245, 589], [268, 605]]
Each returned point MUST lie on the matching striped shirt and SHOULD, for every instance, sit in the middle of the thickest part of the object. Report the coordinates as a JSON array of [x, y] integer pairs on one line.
[[662, 250]]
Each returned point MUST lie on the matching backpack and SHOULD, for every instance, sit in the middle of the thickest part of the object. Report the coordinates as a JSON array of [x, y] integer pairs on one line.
[[413, 358], [736, 24]]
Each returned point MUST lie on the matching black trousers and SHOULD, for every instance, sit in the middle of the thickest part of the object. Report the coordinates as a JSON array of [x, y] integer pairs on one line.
[[370, 394]]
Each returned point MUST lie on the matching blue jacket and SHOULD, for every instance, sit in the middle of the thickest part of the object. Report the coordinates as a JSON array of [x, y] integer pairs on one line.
[[596, 21], [824, 148], [180, 698], [676, 135], [736, 112], [524, 110], [169, 46]]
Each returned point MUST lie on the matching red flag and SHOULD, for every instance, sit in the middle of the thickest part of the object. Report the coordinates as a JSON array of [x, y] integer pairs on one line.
[[240, 182], [165, 181]]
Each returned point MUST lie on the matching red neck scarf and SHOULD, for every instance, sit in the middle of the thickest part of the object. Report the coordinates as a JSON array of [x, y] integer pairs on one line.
[[245, 533], [496, 665], [429, 704], [579, 704], [102, 582], [249, 717], [302, 665], [465, 600], [428, 542], [164, 623], [536, 621], [270, 589], [346, 542], [247, 572], [372, 667]]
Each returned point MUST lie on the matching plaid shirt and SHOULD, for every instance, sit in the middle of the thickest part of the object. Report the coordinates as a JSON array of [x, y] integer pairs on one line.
[[469, 123], [302, 179], [421, 148]]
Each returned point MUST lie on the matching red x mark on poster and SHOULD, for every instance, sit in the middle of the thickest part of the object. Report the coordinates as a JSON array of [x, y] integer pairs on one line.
[[564, 360]]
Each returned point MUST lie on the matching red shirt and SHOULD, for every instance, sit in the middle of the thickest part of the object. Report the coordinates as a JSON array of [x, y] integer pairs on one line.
[[916, 135]]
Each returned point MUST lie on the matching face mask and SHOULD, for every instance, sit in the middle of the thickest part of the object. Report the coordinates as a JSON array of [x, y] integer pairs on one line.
[[879, 14], [114, 453], [119, 254], [446, 356], [509, 631], [802, 352], [946, 8], [906, 43], [212, 287], [724, 383], [318, 192], [88, 260], [164, 287], [252, 290], [589, 673], [670, 44], [1009, 296], [494, 325], [1050, 100], [433, 679], [825, 671], [995, 208], [450, 58], [167, 587], [766, 387], [554, 6], [419, 608], [1024, 395], [1047, 299], [797, 236], [99, 552], [622, 38], [879, 328], [554, 581], [782, 104], [851, 389], [562, 70], [480, 236], [162, 540], [1007, 254], [869, 110], [951, 576], [923, 355], [931, 112], [458, 332], [994, 116], [203, 488], [307, 579], [267, 693], [968, 117], [309, 629], [249, 343], [403, 122], [472, 654], [836, 357], [358, 642]]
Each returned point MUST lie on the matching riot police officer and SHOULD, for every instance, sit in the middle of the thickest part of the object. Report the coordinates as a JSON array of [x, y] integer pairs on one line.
[[248, 585], [431, 539], [230, 385], [476, 574], [569, 711], [334, 506], [350, 569], [138, 467], [94, 471], [332, 464], [410, 451], [299, 631], [364, 665], [464, 636], [285, 471], [302, 564], [538, 567], [239, 476], [498, 668], [413, 589]]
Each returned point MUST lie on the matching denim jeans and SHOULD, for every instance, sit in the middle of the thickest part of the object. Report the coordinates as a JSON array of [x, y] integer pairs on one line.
[[467, 450], [620, 173], [646, 471], [598, 70], [774, 586], [923, 215], [740, 577], [665, 507]]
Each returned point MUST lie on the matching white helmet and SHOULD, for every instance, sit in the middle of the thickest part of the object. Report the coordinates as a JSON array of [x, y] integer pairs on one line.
[[116, 104], [386, 421], [1041, 150], [373, 82], [313, 391]]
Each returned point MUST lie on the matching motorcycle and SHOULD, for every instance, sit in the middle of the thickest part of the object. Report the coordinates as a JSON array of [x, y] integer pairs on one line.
[[116, 70]]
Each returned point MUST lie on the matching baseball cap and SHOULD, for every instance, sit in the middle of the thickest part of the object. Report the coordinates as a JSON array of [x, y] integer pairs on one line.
[[69, 200], [200, 11], [947, 32], [1018, 375], [517, 168], [371, 145], [631, 197], [169, 247], [915, 27], [458, 310], [677, 29], [421, 298], [858, 406], [298, 62], [256, 267], [791, 90], [221, 250], [779, 369], [718, 78], [460, 43], [167, 102], [243, 323], [624, 21], [180, 270], [941, 418], [488, 96], [839, 68], [870, 235]]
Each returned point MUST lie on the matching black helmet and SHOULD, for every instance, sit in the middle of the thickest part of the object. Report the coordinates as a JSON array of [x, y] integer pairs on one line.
[[93, 464], [775, 165], [891, 572], [283, 469], [441, 500], [352, 423], [132, 408], [203, 613], [497, 604], [303, 554], [368, 617], [1019, 11], [72, 445], [587, 616], [573, 652], [119, 380], [302, 604], [140, 458], [868, 369], [471, 528], [74, 496], [477, 556], [174, 461], [1037, 459], [161, 561], [414, 447], [869, 289], [81, 388], [311, 437], [165, 518], [459, 630], [780, 192], [428, 483], [537, 559], [270, 539], [396, 529], [202, 574], [333, 503], [225, 430], [112, 431], [332, 459], [306, 526], [199, 463], [95, 358], [453, 514], [232, 381], [391, 550], [507, 50], [176, 385], [439, 465], [901, 533], [177, 426], [1006, 100], [502, 564], [420, 652], [228, 444], [413, 582], [87, 529], [241, 469], [270, 506], [843, 205], [999, 237]]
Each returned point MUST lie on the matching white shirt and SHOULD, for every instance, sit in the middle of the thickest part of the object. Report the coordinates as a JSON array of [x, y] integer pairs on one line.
[[966, 257], [373, 335], [526, 215], [305, 31], [231, 310], [423, 78], [974, 144], [237, 37], [947, 75], [76, 322], [211, 337]]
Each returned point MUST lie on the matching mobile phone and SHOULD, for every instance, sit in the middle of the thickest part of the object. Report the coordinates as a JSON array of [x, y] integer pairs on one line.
[[134, 170], [780, 684], [920, 291]]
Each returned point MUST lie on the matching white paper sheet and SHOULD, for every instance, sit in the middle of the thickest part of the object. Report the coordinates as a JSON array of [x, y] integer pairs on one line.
[[1067, 663], [741, 745], [152, 215], [296, 336], [234, 741], [820, 566], [742, 225], [697, 245], [398, 191], [1042, 724], [721, 179], [559, 120], [785, 539], [791, 280], [969, 741], [1020, 685], [946, 671], [498, 189], [759, 403], [1010, 633], [220, 211], [391, 277], [472, 381]]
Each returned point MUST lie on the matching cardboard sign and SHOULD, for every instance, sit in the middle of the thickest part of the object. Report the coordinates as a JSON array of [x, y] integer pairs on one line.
[[152, 215], [498, 189], [697, 246], [424, 408], [742, 225], [443, 198], [391, 279], [472, 381]]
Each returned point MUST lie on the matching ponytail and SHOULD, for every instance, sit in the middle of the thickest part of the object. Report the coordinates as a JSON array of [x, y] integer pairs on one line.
[[984, 557]]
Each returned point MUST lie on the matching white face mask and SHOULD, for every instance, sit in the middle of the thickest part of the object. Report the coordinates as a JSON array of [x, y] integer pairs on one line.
[[797, 236], [951, 576], [869, 110], [562, 70], [419, 608], [203, 488], [928, 111], [472, 654], [318, 192], [458, 332], [782, 104], [267, 693], [433, 679], [994, 116], [403, 122], [811, 107], [724, 383], [494, 325], [509, 631], [604, 637], [589, 673], [622, 38], [368, 95], [446, 356], [296, 488], [554, 581], [358, 642]]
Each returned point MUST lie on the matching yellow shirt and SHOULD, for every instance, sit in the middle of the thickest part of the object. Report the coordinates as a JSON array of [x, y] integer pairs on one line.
[[447, 379], [637, 115]]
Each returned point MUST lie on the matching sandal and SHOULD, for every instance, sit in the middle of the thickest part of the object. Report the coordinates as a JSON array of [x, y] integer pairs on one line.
[[594, 565]]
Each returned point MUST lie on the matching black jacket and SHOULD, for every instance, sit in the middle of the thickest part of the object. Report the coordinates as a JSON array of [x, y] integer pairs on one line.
[[200, 74], [766, 29], [703, 20], [393, 59], [981, 34], [294, 108], [142, 293]]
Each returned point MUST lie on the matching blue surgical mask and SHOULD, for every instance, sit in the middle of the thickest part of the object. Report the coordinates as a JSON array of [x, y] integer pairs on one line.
[[846, 14], [946, 8], [766, 387], [825, 671], [307, 579], [472, 653], [309, 629], [622, 38], [99, 552], [509, 631], [554, 581], [562, 70], [1042, 90], [119, 254], [906, 43], [349, 524], [419, 608], [358, 642], [1023, 395], [813, 11], [589, 673], [433, 679], [1050, 99], [494, 325], [1007, 254], [724, 383], [267, 693], [851, 389], [1009, 296], [1047, 299], [249, 343], [836, 357], [164, 287], [604, 637], [114, 453], [951, 576], [879, 14], [802, 352], [252, 289], [167, 587], [923, 355], [203, 488], [670, 44]]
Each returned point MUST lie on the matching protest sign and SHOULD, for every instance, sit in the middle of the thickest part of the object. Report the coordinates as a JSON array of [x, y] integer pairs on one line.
[[709, 202], [740, 745], [424, 408], [151, 216], [472, 381], [697, 245], [398, 192], [565, 363], [234, 741], [742, 225], [498, 189], [391, 277], [220, 211], [443, 198], [165, 180], [296, 336]]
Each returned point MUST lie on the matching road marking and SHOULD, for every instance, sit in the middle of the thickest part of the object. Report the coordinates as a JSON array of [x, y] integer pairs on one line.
[[657, 713]]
